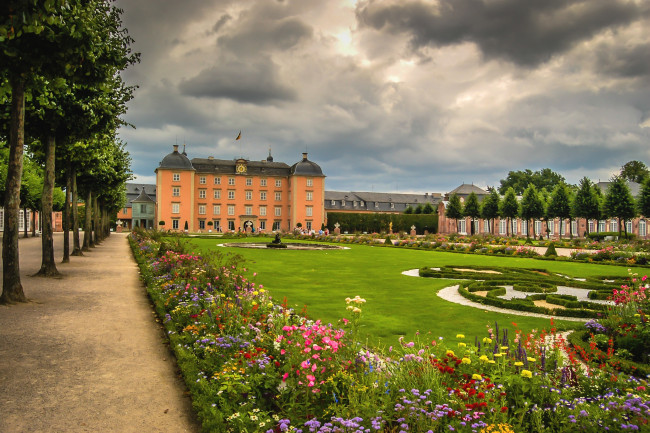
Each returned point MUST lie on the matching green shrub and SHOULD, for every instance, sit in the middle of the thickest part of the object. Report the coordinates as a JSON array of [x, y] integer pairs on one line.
[[550, 251]]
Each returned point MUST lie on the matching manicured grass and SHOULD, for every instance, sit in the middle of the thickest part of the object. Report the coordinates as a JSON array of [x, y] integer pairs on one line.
[[397, 305]]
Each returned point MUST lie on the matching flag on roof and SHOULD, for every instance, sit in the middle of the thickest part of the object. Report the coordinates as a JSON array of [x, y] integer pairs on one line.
[[238, 136]]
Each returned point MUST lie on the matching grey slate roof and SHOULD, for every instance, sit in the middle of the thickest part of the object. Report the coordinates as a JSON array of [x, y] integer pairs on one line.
[[635, 188], [376, 201], [306, 167], [466, 189], [134, 190], [176, 160], [227, 166]]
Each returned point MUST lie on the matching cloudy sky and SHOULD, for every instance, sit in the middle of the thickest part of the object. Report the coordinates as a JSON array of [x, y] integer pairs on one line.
[[395, 95]]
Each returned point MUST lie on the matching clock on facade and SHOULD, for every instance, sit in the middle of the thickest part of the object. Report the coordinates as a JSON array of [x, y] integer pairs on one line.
[[241, 168]]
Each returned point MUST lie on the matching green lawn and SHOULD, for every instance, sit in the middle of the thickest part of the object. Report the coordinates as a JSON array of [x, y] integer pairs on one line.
[[397, 305]]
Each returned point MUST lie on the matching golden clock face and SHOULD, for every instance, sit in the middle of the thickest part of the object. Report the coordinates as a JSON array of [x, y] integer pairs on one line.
[[241, 168]]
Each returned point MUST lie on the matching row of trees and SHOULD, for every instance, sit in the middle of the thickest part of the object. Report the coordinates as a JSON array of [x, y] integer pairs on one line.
[[563, 202], [62, 99]]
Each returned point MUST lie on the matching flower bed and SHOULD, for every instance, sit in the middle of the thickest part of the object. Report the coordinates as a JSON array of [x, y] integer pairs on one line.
[[252, 364]]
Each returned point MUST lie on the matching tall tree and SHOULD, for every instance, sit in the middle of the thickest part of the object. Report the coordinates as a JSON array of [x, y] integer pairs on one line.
[[635, 171], [560, 205], [519, 180], [490, 208], [472, 209], [643, 202], [509, 208], [586, 203], [427, 209], [532, 207], [454, 209], [619, 202]]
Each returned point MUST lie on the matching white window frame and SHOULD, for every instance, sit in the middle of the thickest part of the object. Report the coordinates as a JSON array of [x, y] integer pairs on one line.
[[574, 228], [201, 209], [309, 211], [248, 210], [486, 226], [628, 226], [524, 227], [278, 196], [231, 210], [503, 224], [538, 227], [216, 209], [263, 195], [613, 225], [643, 229], [310, 182], [551, 227], [263, 225], [278, 183], [462, 229], [310, 196], [202, 180], [513, 228], [249, 195], [176, 208], [216, 194], [231, 181], [176, 191], [262, 210], [278, 211], [231, 194], [249, 181], [176, 177], [217, 180], [175, 222], [202, 193], [262, 182]]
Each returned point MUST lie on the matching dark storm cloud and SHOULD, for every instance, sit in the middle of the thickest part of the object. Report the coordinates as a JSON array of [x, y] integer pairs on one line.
[[266, 35], [254, 82], [221, 22], [625, 61], [526, 32]]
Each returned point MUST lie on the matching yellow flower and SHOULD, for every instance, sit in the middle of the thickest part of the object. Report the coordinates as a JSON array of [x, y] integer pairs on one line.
[[256, 293], [519, 363], [498, 355], [487, 340], [527, 373], [466, 361], [491, 361], [505, 347], [531, 359], [450, 353], [477, 376], [460, 336], [462, 344], [483, 358]]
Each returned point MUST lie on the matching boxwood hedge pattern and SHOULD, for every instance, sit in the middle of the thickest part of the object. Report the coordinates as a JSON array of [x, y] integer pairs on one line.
[[540, 283]]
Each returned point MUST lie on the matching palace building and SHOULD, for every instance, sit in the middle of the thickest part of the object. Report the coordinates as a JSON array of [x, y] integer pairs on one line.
[[208, 194]]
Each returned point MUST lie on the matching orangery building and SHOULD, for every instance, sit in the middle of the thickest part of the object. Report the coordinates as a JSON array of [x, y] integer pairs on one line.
[[209, 194]]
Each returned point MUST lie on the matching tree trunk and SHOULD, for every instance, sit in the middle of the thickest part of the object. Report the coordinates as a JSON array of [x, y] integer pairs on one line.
[[48, 267], [76, 249], [95, 228], [25, 221], [12, 289], [66, 218], [88, 223], [33, 215]]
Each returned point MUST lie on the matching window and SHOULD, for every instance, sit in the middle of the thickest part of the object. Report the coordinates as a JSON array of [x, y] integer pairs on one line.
[[562, 225], [262, 182], [642, 228], [310, 182], [354, 203], [176, 177], [613, 226], [249, 181], [176, 208], [263, 210], [217, 225], [143, 208], [574, 228], [551, 228], [201, 209], [175, 224], [249, 210], [231, 181], [231, 225], [462, 229], [231, 210], [278, 196], [216, 209], [486, 226], [263, 195], [217, 194], [502, 227], [513, 229], [333, 203], [342, 203], [176, 191], [201, 224], [278, 211], [538, 227], [309, 211], [231, 194], [217, 180], [601, 226], [249, 195], [376, 204], [308, 225], [309, 195], [278, 183], [392, 205], [524, 228], [628, 226], [475, 223], [361, 203], [201, 193], [276, 225], [125, 210], [591, 226], [201, 180], [263, 225]]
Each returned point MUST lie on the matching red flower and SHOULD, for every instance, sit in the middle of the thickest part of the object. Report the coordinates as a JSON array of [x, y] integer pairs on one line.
[[504, 409]]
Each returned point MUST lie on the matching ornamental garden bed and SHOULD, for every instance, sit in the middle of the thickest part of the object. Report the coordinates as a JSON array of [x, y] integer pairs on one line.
[[253, 364]]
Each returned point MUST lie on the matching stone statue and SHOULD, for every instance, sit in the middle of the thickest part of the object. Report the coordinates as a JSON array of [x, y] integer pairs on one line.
[[277, 239]]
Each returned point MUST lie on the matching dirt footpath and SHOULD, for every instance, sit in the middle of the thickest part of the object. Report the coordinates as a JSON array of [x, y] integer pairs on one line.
[[86, 354]]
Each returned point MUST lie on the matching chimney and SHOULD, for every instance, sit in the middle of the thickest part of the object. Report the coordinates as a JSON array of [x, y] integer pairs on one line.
[[176, 148], [304, 156]]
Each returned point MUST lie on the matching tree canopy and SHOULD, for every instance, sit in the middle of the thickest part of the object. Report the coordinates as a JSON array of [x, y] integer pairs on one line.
[[635, 171], [519, 180]]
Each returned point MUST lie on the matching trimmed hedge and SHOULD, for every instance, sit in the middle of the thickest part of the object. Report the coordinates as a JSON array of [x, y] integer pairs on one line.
[[379, 223]]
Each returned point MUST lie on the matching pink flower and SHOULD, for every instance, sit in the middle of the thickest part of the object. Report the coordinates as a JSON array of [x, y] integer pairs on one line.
[[282, 351], [284, 377]]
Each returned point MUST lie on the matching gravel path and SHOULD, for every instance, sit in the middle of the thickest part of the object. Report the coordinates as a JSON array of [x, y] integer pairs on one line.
[[86, 354], [451, 294]]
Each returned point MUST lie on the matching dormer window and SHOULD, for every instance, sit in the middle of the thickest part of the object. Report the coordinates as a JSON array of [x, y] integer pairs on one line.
[[333, 202]]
